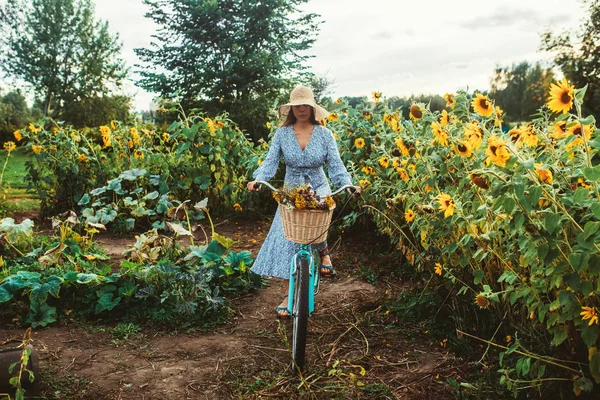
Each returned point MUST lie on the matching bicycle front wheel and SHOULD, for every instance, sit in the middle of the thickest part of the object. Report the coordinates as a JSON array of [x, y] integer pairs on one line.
[[300, 313]]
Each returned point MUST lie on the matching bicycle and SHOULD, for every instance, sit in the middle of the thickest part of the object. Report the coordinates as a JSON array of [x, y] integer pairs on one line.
[[303, 277]]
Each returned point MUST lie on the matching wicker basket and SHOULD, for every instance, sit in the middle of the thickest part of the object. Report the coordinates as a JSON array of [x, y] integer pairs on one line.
[[305, 226]]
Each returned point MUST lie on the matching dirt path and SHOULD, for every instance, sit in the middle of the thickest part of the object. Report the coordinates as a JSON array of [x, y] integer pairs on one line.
[[249, 357]]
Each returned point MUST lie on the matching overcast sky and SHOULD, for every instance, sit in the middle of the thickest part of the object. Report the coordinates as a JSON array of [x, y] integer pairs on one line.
[[397, 47]]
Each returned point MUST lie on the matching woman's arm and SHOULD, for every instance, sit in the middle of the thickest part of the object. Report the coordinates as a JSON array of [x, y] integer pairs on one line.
[[336, 169], [269, 166]]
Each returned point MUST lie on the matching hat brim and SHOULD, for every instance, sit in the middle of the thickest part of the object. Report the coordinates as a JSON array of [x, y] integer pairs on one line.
[[320, 112]]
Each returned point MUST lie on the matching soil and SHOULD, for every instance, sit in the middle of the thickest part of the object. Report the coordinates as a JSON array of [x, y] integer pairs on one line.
[[249, 356]]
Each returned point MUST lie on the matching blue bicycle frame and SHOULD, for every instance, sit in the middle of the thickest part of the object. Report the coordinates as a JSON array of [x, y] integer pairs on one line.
[[313, 279]]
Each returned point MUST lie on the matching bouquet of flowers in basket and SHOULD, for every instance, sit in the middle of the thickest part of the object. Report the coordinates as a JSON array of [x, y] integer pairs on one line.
[[302, 197]]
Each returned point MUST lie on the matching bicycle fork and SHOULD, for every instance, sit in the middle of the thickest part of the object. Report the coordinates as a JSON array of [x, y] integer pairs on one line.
[[313, 280]]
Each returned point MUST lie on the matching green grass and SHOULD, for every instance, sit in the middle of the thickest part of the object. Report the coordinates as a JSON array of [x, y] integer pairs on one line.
[[14, 175], [13, 186]]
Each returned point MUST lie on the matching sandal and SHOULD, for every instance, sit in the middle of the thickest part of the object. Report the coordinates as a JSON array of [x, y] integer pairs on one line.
[[279, 308], [326, 271], [330, 272]]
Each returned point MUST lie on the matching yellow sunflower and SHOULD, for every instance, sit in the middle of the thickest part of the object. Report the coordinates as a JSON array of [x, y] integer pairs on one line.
[[138, 154], [544, 174], [463, 148], [384, 161], [438, 269], [499, 115], [367, 115], [37, 149], [359, 143], [559, 130], [496, 151], [409, 216], [403, 174], [106, 137], [473, 134], [482, 105], [561, 96], [416, 112], [18, 135], [577, 131], [333, 117], [402, 146], [446, 119], [515, 135], [376, 96], [210, 125], [449, 100], [441, 136], [10, 146], [338, 101], [83, 158], [364, 182], [368, 170], [529, 136], [589, 313], [446, 204], [237, 207]]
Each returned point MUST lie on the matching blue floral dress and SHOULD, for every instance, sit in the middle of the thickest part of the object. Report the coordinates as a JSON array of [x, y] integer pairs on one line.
[[302, 166]]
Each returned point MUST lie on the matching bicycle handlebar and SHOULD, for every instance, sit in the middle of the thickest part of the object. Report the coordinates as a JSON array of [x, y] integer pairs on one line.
[[351, 187]]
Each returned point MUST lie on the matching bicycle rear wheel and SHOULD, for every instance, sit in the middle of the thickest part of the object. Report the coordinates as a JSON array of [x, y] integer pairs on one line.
[[300, 313]]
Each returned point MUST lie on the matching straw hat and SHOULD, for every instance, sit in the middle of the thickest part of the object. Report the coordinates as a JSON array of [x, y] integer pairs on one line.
[[303, 95]]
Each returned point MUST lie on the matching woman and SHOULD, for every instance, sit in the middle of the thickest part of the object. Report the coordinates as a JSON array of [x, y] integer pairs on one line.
[[306, 146]]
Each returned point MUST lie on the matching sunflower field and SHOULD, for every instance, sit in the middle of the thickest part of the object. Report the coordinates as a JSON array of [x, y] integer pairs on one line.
[[195, 157], [505, 219], [509, 218]]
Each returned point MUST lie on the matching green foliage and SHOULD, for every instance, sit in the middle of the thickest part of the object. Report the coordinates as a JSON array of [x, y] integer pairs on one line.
[[124, 331], [233, 56], [60, 50], [193, 158], [506, 225], [65, 276]]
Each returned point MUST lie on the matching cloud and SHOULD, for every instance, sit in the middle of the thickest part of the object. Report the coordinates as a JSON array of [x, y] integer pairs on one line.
[[526, 19]]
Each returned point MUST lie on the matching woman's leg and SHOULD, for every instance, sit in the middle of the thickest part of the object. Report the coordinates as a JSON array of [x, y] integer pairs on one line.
[[325, 259], [282, 311]]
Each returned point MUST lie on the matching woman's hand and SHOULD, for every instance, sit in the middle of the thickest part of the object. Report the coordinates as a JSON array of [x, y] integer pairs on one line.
[[357, 191], [252, 188]]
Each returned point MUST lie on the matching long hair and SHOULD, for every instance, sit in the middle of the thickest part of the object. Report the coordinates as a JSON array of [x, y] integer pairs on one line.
[[290, 119]]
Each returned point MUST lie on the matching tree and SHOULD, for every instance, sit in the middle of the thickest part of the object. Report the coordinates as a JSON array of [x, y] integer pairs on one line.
[[520, 90], [96, 111], [58, 48], [237, 56], [321, 86], [579, 58], [14, 114]]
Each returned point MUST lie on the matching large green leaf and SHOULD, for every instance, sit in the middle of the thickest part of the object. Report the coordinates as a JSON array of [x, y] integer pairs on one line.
[[41, 314], [132, 174], [15, 232], [106, 302], [5, 295]]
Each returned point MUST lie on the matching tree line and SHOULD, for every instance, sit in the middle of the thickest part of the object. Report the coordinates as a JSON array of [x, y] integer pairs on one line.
[[237, 56]]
